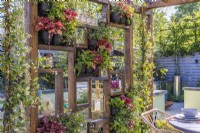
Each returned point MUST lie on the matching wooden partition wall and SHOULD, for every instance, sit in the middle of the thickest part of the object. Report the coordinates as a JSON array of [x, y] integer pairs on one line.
[[31, 13]]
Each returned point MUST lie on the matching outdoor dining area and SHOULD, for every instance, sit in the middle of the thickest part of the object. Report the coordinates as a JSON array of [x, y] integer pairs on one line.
[[91, 66]]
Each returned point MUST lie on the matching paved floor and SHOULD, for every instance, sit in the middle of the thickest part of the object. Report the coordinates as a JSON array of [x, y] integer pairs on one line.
[[175, 108]]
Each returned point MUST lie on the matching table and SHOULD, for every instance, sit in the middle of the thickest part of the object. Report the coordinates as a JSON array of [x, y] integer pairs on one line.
[[190, 126]]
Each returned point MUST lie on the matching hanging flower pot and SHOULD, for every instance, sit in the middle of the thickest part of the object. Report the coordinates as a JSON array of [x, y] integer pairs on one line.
[[128, 21], [56, 39], [43, 8], [48, 62], [44, 37], [114, 17]]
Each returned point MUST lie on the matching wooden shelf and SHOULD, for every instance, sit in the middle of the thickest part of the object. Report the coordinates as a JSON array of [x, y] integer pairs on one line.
[[80, 79], [51, 70], [116, 94], [100, 1], [119, 25], [52, 47], [82, 106], [87, 26], [97, 121]]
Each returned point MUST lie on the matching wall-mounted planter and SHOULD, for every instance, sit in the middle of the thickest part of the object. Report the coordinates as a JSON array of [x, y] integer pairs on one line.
[[128, 22], [92, 44], [85, 72], [43, 8], [56, 40], [43, 37], [115, 18]]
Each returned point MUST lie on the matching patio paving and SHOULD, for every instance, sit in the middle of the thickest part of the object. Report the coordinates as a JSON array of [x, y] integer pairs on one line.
[[175, 108]]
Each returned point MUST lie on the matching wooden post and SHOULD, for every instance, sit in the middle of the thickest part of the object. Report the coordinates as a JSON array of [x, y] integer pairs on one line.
[[71, 82], [34, 58], [149, 30], [59, 85], [129, 57], [106, 91]]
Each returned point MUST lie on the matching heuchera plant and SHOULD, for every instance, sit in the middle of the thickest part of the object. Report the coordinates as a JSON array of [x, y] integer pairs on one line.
[[104, 44], [123, 8], [127, 102], [48, 125], [44, 23], [97, 59]]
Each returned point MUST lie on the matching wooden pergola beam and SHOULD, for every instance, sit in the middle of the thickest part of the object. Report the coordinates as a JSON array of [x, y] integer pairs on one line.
[[161, 3]]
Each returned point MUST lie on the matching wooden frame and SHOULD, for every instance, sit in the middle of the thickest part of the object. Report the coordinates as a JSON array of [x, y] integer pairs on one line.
[[31, 15], [59, 88], [119, 72]]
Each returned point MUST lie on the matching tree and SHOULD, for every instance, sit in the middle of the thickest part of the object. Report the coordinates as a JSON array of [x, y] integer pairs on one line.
[[186, 10]]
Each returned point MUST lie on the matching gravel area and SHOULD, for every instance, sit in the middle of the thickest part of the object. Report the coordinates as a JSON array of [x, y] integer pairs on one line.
[[175, 108]]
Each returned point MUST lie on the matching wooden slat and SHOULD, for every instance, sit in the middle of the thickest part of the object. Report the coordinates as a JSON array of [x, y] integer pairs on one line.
[[119, 25], [90, 97], [34, 57], [100, 1], [71, 82], [52, 47], [53, 70], [116, 93], [129, 57], [82, 106], [106, 113], [169, 3], [81, 79], [59, 98]]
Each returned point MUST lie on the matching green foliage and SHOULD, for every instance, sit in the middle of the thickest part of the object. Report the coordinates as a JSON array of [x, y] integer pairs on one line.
[[119, 123], [162, 124], [186, 10], [84, 58], [160, 73], [83, 98], [177, 38], [143, 72], [72, 122], [19, 88]]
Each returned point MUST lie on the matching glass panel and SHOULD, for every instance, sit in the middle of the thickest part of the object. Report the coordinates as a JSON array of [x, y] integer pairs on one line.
[[82, 92], [80, 40], [97, 99], [47, 93], [116, 82]]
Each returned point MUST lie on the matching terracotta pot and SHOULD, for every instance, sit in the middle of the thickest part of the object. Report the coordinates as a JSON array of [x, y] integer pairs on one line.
[[56, 40], [43, 37], [43, 8], [115, 18]]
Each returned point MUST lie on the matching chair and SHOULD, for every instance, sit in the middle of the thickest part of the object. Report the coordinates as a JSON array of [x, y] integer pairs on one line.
[[150, 118]]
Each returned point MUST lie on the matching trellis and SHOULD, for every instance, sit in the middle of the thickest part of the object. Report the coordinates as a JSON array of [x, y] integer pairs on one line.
[[31, 14]]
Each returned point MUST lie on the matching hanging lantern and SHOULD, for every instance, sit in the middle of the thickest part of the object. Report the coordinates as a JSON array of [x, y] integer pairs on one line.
[[48, 60]]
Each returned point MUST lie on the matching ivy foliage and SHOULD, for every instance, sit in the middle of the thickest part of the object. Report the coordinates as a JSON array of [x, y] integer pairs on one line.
[[143, 72], [19, 89]]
